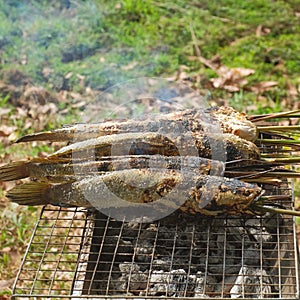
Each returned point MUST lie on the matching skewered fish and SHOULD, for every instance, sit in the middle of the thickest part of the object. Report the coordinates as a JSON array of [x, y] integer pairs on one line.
[[153, 143], [192, 120], [53, 169], [143, 161], [88, 155], [141, 187], [59, 170]]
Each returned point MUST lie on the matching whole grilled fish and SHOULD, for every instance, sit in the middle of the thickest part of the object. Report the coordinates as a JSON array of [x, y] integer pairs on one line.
[[223, 119], [173, 189], [154, 143], [60, 170], [131, 144], [91, 156]]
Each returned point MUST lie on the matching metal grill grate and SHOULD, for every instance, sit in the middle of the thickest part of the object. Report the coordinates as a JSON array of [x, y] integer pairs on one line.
[[77, 254]]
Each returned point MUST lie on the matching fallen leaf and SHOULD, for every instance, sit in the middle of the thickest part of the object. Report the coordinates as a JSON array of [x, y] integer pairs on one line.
[[6, 130], [4, 111], [231, 88], [47, 71], [118, 5], [291, 89], [130, 66], [5, 250], [79, 104], [231, 79], [263, 86], [12, 137], [69, 75], [234, 73], [261, 30], [6, 284]]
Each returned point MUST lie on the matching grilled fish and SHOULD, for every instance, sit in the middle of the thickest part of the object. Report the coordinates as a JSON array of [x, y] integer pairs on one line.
[[229, 121], [152, 143], [93, 155], [188, 191], [59, 170]]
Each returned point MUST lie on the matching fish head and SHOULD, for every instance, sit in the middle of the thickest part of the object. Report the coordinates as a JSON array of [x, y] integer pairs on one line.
[[237, 194]]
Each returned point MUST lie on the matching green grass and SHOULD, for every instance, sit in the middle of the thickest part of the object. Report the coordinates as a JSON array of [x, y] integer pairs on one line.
[[17, 223], [97, 39]]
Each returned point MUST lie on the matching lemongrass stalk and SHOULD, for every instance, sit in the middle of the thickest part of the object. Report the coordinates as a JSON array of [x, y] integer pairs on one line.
[[278, 142], [290, 114], [277, 127], [269, 198], [283, 160], [278, 210], [246, 175], [272, 181], [276, 155]]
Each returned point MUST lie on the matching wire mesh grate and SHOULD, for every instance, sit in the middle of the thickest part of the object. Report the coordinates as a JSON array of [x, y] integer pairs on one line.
[[78, 254]]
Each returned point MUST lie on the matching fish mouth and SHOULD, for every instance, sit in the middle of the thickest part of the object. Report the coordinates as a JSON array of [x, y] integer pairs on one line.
[[262, 192]]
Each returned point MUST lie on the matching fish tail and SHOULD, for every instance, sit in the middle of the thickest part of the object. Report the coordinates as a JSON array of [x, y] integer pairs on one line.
[[32, 193], [14, 171]]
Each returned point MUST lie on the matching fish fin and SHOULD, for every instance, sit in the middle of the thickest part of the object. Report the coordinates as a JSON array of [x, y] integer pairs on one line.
[[32, 193], [52, 136], [14, 171]]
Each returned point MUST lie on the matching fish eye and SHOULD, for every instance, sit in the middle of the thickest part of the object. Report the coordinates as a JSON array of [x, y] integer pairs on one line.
[[247, 193]]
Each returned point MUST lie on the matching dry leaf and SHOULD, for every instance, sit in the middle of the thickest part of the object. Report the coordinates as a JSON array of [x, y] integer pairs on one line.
[[231, 88], [6, 130], [291, 89], [231, 79], [6, 284], [79, 104], [46, 71], [261, 30], [263, 86], [5, 250], [69, 75], [4, 111], [130, 66], [234, 73]]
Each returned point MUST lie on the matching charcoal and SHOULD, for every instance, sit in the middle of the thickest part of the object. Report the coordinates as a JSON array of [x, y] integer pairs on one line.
[[258, 232], [251, 283], [204, 284], [172, 284], [196, 257], [132, 275]]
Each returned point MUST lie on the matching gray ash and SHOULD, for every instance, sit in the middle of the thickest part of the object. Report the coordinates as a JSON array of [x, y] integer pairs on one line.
[[188, 256]]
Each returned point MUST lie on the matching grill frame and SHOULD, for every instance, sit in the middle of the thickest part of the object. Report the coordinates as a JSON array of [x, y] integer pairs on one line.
[[72, 219]]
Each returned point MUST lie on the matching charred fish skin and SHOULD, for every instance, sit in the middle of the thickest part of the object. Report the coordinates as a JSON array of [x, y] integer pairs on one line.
[[228, 119], [136, 187], [81, 156], [50, 170], [232, 121], [152, 144]]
